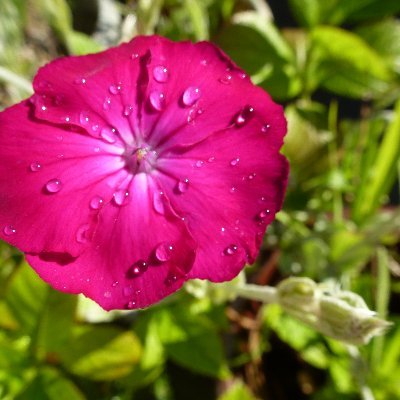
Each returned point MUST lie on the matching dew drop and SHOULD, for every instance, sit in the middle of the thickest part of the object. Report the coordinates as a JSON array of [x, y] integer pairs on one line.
[[115, 284], [199, 163], [158, 202], [115, 89], [157, 100], [96, 203], [131, 305], [80, 81], [242, 75], [35, 167], [134, 56], [244, 116], [204, 62], [160, 74], [234, 161], [120, 197], [183, 185], [108, 134], [263, 214], [107, 104], [107, 294], [82, 234], [232, 190], [53, 186], [191, 95], [226, 79], [265, 128], [137, 268], [43, 108], [9, 230], [231, 250], [164, 252], [211, 159], [67, 119], [127, 110], [84, 118]]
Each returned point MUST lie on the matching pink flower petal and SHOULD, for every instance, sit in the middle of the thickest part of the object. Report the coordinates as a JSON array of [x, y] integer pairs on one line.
[[231, 195], [138, 255], [48, 177]]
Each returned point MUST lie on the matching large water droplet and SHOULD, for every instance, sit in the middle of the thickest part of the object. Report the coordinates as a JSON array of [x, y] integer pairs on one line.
[[160, 74], [164, 252], [82, 234], [35, 167], [234, 161], [121, 197], [53, 186], [183, 185], [9, 230], [108, 134], [231, 250], [157, 100], [244, 116], [127, 110], [115, 89], [84, 118], [199, 163], [191, 95], [96, 203], [138, 268], [158, 202]]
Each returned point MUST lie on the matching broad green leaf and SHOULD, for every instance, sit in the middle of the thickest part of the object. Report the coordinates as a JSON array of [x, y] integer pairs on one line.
[[101, 352], [344, 64], [26, 297], [49, 384], [199, 18], [191, 340], [238, 391], [80, 44]]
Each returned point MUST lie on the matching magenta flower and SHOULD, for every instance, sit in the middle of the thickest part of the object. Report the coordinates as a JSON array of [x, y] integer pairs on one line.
[[133, 170]]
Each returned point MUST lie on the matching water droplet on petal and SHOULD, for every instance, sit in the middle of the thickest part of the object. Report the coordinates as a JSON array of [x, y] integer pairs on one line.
[[9, 230], [242, 75], [199, 163], [137, 268], [108, 134], [107, 103], [157, 100], [158, 202], [107, 295], [232, 190], [164, 252], [204, 62], [226, 79], [191, 95], [84, 118], [115, 89], [264, 214], [211, 159], [35, 167], [244, 116], [160, 74], [183, 185], [82, 234], [53, 186], [96, 203], [115, 284], [121, 197], [131, 305], [265, 128], [231, 250], [134, 56], [127, 110], [234, 161], [80, 81]]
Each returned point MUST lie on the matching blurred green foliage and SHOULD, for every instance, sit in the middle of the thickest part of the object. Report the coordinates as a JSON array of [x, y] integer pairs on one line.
[[335, 64]]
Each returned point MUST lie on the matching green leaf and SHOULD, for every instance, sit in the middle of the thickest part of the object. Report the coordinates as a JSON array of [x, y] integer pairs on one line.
[[344, 64], [191, 340], [80, 44], [101, 352], [238, 391], [49, 384], [199, 17], [26, 297]]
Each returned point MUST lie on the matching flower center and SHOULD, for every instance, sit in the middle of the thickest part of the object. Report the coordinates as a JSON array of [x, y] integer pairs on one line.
[[141, 159]]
